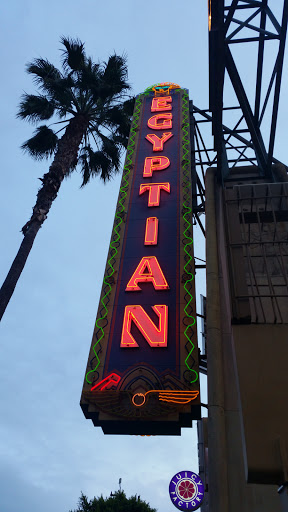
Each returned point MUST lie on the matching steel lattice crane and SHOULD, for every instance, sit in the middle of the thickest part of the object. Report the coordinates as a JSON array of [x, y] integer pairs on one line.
[[241, 188], [240, 25]]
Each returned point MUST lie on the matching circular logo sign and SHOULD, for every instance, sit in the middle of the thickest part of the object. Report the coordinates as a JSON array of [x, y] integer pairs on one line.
[[186, 490]]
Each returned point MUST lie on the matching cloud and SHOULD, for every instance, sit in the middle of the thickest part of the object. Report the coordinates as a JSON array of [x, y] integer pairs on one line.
[[17, 493]]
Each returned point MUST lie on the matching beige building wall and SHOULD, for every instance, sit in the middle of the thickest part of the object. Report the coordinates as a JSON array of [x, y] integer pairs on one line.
[[251, 375]]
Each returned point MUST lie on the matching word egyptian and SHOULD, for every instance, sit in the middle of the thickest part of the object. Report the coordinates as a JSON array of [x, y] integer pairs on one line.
[[149, 268]]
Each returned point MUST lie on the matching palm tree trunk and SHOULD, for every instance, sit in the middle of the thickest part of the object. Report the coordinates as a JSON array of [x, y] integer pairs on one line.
[[65, 157], [17, 266]]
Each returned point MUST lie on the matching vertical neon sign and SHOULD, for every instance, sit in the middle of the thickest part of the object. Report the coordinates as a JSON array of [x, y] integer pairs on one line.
[[142, 372]]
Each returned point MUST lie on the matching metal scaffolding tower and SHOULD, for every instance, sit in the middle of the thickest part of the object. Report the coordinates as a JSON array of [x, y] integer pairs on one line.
[[240, 187]]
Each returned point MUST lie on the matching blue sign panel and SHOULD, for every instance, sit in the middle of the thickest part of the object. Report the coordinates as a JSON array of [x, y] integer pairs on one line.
[[142, 373]]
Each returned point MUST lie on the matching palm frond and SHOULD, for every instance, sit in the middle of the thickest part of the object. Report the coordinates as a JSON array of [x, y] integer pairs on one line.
[[89, 77], [43, 143], [119, 118], [128, 106], [35, 108], [114, 77], [94, 93], [57, 86], [73, 55], [116, 70], [43, 70], [123, 129], [102, 163], [61, 91], [112, 152], [85, 169]]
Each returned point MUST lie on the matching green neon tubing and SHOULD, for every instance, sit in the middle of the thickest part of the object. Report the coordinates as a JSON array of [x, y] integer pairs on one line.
[[118, 221], [186, 218]]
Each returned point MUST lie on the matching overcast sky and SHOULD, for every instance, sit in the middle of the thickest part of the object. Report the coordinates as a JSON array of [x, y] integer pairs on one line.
[[49, 452]]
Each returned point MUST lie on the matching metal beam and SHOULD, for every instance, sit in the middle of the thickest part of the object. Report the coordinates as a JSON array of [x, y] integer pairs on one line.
[[279, 61], [256, 136], [221, 60], [260, 64]]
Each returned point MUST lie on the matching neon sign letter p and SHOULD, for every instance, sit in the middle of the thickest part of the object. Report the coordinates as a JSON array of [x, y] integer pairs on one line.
[[155, 163]]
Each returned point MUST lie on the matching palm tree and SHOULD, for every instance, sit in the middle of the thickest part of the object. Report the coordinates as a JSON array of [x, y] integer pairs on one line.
[[94, 110]]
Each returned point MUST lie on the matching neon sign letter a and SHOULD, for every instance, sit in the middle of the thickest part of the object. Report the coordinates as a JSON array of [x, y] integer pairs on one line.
[[148, 270]]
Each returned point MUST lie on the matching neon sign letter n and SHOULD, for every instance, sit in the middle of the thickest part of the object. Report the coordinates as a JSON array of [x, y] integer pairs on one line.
[[155, 336]]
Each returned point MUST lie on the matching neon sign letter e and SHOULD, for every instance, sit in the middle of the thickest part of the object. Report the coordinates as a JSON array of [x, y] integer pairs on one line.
[[160, 104]]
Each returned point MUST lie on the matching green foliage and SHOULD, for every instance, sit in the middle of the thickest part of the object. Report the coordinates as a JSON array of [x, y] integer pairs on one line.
[[95, 93], [116, 503]]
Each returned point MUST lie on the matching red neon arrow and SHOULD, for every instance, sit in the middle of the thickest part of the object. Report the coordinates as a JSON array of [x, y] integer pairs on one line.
[[112, 380]]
